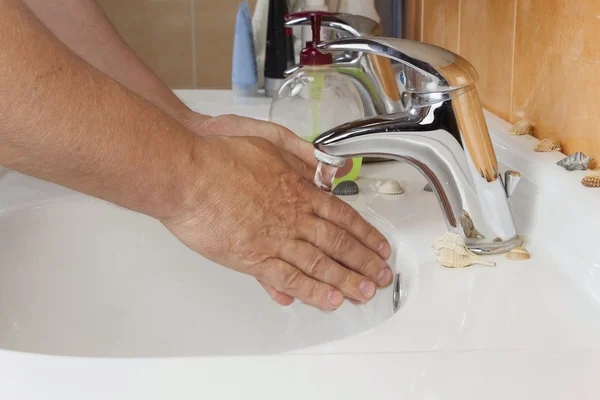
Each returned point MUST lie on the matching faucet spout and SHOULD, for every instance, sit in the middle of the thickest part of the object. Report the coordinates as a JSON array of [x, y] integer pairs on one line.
[[429, 138]]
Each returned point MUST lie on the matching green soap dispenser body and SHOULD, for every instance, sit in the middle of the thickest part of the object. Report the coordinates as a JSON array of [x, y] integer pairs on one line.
[[317, 98], [314, 100]]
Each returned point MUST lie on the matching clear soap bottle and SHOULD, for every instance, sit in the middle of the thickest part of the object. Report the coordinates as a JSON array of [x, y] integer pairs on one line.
[[317, 98]]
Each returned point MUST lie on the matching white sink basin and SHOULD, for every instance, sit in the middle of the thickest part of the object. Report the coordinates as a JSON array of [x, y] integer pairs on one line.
[[80, 277], [86, 278]]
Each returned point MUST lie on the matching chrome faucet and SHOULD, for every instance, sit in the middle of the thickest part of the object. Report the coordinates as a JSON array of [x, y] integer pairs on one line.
[[372, 75], [443, 134]]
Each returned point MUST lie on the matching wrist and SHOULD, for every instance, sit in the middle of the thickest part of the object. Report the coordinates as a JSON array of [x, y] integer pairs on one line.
[[190, 180]]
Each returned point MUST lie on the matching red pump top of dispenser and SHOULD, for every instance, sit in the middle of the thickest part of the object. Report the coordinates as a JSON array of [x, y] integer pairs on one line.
[[310, 55]]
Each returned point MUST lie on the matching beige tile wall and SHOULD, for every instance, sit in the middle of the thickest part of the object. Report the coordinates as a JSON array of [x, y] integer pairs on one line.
[[188, 43], [537, 60]]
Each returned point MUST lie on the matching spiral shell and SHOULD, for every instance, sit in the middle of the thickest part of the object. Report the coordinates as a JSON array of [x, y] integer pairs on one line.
[[390, 187], [547, 145], [575, 161], [522, 128], [518, 254], [452, 252]]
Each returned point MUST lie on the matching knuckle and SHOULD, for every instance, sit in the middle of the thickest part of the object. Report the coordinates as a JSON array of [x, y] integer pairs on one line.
[[370, 266], [345, 278], [293, 280], [313, 291], [340, 241], [316, 264]]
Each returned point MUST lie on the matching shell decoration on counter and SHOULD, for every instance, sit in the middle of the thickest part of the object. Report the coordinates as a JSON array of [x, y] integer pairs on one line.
[[575, 162], [452, 252], [547, 145], [390, 187], [518, 254], [469, 227], [346, 188], [522, 128], [592, 179]]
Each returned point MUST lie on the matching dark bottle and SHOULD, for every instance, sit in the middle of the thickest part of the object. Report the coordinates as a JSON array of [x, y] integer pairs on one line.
[[276, 51]]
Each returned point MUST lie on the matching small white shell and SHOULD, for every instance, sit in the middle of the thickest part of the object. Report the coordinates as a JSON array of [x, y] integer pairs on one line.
[[390, 187], [452, 252], [522, 128], [547, 145], [518, 254]]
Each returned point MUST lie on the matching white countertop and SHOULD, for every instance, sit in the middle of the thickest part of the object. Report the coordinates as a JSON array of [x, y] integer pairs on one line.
[[518, 330]]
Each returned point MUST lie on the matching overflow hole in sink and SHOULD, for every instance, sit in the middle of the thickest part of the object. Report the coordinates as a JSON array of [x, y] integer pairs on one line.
[[397, 292]]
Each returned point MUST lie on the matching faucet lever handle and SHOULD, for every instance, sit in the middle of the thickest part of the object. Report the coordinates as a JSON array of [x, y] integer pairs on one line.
[[511, 180], [438, 70]]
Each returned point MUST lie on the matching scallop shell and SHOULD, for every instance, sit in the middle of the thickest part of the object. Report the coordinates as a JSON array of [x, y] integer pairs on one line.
[[518, 254], [592, 179], [452, 252], [547, 145], [390, 187], [576, 161], [522, 128], [346, 188]]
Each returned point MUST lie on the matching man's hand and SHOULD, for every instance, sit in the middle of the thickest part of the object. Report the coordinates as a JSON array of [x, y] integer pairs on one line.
[[234, 125], [256, 211]]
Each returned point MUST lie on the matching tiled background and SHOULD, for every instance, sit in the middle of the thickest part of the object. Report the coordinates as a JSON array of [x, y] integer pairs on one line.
[[537, 59], [188, 43]]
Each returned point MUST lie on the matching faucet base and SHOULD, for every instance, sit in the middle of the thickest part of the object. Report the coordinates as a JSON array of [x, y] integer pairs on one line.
[[495, 247]]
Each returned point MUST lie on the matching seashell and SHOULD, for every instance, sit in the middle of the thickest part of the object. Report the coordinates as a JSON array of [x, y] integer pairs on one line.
[[452, 252], [576, 161], [468, 227], [547, 145], [518, 254], [390, 187], [522, 128], [428, 188], [346, 188], [592, 179]]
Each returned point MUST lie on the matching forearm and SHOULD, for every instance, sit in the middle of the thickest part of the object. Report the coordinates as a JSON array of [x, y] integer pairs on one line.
[[66, 122], [85, 29]]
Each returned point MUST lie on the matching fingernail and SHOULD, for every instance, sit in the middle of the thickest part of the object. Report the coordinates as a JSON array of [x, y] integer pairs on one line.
[[385, 277], [384, 250], [367, 289], [335, 298]]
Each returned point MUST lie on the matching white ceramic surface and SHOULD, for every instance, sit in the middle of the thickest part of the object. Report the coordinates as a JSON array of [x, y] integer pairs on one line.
[[79, 277]]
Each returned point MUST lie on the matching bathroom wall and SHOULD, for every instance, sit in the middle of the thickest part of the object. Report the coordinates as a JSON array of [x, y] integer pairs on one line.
[[537, 60], [188, 43]]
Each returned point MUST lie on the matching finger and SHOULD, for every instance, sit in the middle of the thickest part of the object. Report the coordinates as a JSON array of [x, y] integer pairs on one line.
[[294, 144], [293, 282], [314, 263], [299, 166], [345, 249], [344, 216], [280, 298]]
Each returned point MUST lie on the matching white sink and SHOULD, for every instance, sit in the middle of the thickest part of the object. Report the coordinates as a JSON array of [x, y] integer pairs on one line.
[[81, 277], [133, 314]]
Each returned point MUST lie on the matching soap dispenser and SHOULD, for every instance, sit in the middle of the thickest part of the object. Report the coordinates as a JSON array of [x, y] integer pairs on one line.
[[316, 98]]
